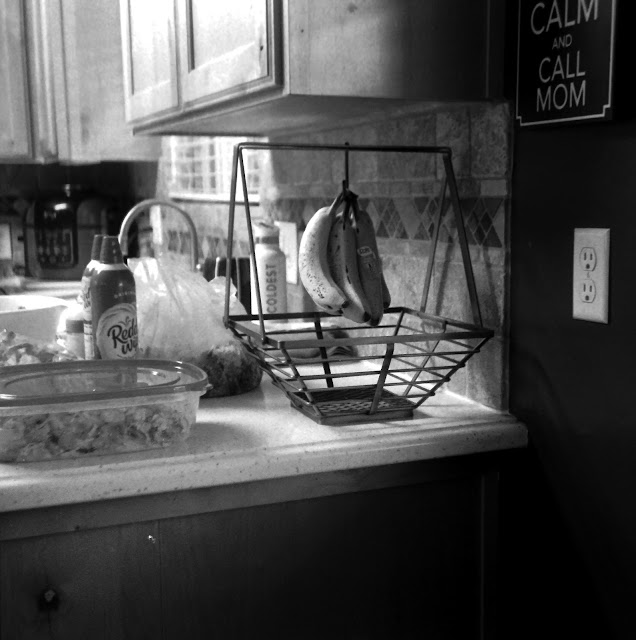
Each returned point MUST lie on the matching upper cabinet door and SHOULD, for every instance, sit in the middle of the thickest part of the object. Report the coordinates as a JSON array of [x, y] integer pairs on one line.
[[14, 104], [228, 50], [88, 84], [150, 57]]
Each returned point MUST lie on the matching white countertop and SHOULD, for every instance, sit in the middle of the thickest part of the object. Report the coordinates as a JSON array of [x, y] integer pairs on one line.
[[258, 436], [67, 290], [19, 285]]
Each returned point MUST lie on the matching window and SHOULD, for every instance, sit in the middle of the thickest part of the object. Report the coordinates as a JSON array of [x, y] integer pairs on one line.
[[201, 168]]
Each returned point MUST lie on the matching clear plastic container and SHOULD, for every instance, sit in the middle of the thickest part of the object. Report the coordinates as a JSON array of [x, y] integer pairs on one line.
[[83, 408]]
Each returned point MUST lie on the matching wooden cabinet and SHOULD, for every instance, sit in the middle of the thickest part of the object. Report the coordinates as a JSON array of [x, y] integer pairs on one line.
[[97, 584], [65, 98], [257, 67], [399, 551], [227, 50], [192, 54], [390, 563], [150, 60]]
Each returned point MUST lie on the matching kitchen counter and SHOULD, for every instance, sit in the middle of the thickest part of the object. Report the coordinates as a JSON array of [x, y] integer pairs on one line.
[[262, 521], [259, 436], [65, 289], [19, 285]]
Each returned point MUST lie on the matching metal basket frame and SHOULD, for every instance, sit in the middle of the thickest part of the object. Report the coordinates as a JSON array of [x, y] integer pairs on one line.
[[417, 352]]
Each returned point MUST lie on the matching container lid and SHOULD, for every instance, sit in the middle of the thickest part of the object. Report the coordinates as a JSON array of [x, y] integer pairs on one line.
[[91, 380], [265, 230]]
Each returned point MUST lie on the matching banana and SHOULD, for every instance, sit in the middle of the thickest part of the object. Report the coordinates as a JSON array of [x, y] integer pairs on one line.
[[344, 269], [369, 264], [333, 313], [313, 264], [386, 294], [339, 262]]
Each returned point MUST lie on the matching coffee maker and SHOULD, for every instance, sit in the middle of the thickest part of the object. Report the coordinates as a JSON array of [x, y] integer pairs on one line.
[[59, 231]]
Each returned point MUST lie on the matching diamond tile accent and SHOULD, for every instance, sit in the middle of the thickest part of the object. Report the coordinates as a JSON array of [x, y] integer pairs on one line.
[[479, 214], [173, 241], [390, 219], [499, 220], [447, 222], [370, 207], [424, 228], [205, 246], [219, 246], [381, 229], [186, 242], [413, 218], [408, 214]]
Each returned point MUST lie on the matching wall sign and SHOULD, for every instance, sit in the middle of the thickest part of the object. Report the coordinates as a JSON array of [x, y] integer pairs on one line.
[[565, 60]]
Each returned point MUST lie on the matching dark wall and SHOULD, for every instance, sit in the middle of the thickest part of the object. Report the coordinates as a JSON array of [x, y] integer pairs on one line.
[[571, 381]]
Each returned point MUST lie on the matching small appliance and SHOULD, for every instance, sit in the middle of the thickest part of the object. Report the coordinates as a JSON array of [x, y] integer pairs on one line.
[[59, 231]]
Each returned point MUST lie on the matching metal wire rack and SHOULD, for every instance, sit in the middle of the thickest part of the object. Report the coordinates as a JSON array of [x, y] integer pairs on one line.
[[340, 372]]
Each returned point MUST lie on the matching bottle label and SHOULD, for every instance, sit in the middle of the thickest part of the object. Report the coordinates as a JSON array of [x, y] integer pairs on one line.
[[115, 336], [272, 302], [272, 284], [89, 350], [85, 295]]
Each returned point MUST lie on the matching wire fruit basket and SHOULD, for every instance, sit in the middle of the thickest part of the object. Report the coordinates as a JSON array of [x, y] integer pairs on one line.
[[339, 372]]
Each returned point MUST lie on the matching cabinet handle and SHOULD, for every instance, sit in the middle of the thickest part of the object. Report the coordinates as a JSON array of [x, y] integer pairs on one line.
[[49, 600]]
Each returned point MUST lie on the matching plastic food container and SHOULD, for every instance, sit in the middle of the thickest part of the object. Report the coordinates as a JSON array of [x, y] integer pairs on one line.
[[32, 315], [96, 407]]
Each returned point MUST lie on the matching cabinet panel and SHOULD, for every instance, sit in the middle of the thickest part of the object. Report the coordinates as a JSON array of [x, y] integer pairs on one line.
[[433, 50], [62, 84], [89, 90], [14, 106], [150, 57], [392, 563], [227, 50], [41, 82], [101, 584]]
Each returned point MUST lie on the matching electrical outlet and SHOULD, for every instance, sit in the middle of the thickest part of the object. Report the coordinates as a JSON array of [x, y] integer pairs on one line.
[[590, 285], [587, 290], [588, 259]]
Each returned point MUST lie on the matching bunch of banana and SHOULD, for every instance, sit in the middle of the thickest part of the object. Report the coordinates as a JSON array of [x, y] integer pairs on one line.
[[339, 263], [312, 261]]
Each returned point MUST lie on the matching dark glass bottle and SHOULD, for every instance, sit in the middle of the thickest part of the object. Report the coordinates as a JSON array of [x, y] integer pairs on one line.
[[113, 305]]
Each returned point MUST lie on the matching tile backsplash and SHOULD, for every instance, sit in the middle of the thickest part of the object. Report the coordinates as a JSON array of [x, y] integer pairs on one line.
[[401, 193]]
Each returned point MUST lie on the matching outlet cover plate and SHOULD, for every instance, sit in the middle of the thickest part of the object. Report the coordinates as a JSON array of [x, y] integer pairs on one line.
[[590, 282]]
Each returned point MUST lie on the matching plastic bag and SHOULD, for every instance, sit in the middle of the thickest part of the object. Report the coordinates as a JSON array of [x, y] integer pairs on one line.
[[180, 317], [179, 313]]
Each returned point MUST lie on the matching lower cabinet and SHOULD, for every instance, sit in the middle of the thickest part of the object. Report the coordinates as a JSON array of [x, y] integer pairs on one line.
[[90, 584], [370, 560]]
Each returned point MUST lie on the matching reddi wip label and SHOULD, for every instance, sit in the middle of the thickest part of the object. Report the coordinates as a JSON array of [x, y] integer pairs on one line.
[[85, 288], [115, 335]]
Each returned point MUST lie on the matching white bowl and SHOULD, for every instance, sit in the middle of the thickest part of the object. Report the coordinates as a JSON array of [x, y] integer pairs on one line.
[[34, 316]]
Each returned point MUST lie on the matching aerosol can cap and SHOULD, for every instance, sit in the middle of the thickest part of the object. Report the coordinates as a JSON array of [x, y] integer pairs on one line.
[[110, 252]]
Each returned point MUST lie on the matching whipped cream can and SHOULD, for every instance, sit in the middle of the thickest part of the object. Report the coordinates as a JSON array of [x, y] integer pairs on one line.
[[113, 305]]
